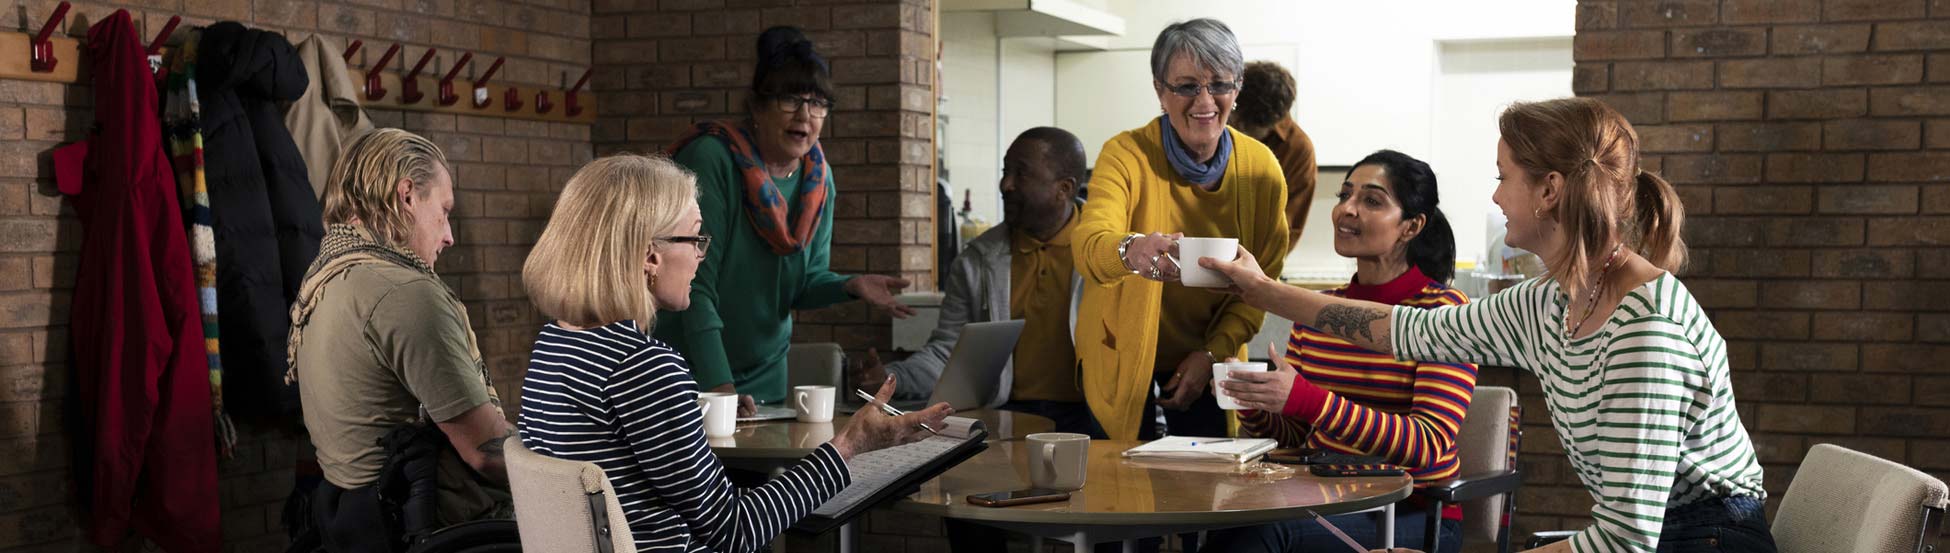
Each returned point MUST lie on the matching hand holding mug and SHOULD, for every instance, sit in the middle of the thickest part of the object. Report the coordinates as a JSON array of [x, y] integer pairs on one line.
[[1149, 256], [1263, 390]]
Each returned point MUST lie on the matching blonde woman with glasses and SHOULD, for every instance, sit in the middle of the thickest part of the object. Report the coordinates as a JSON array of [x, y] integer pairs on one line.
[[623, 244]]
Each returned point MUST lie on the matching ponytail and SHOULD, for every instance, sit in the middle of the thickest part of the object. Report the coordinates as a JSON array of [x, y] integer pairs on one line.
[[1658, 218], [1434, 250]]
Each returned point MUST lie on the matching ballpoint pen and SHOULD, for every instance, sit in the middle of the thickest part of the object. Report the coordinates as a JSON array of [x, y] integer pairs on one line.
[[890, 410], [1337, 532]]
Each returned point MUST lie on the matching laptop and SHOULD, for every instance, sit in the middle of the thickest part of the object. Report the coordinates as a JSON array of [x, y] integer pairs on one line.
[[972, 378]]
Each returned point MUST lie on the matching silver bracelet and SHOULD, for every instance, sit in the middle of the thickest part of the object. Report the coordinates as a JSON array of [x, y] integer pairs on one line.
[[1124, 246]]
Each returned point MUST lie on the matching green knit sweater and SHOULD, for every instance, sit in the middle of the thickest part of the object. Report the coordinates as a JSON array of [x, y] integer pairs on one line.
[[739, 325]]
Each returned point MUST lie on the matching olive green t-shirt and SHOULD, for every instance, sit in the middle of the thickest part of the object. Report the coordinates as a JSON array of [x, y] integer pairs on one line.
[[383, 341]]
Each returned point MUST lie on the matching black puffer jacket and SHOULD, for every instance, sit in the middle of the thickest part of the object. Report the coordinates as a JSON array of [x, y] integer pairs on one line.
[[267, 221]]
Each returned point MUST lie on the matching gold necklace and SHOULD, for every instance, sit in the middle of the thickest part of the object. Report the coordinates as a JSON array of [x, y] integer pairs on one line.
[[1591, 301]]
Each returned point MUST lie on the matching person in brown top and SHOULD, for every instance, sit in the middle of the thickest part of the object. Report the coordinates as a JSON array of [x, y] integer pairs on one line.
[[1265, 112]]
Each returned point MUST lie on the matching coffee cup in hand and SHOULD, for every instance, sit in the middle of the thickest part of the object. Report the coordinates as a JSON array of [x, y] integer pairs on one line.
[[1190, 250], [1222, 373]]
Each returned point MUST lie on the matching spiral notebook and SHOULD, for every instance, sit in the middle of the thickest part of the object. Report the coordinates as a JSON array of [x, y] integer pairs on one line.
[[896, 472], [1191, 448]]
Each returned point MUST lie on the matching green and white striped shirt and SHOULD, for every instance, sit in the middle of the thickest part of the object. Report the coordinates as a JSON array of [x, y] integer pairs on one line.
[[1644, 406]]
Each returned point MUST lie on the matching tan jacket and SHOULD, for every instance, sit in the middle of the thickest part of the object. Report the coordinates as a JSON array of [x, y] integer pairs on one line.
[[328, 114], [1296, 154]]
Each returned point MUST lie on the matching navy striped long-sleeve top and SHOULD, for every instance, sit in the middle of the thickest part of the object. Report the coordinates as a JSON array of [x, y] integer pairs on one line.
[[626, 402]]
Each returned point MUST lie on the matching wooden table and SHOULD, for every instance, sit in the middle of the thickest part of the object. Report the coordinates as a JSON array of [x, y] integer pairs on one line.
[[769, 446], [765, 445], [1124, 499]]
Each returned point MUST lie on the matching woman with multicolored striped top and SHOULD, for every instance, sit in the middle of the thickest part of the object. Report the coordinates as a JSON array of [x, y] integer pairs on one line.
[[1633, 371], [1347, 399]]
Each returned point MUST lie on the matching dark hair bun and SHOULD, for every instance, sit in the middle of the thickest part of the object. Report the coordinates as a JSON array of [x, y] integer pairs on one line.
[[778, 40]]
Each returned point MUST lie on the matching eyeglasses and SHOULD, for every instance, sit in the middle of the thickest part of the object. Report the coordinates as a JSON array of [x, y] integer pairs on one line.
[[702, 240], [1218, 88], [815, 107]]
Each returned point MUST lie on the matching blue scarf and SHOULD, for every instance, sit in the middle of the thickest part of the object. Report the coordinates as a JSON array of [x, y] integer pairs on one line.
[[1191, 169]]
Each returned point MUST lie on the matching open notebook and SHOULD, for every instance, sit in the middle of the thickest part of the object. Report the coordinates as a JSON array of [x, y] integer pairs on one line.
[[897, 472], [1236, 450]]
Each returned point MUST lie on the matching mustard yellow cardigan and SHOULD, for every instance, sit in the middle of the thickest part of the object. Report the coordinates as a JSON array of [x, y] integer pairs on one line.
[[1117, 320]]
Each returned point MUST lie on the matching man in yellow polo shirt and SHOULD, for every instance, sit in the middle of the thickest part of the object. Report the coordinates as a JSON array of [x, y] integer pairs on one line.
[[1030, 253]]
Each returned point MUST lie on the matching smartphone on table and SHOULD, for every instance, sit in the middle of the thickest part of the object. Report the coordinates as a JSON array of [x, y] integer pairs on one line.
[[1337, 471], [1018, 497]]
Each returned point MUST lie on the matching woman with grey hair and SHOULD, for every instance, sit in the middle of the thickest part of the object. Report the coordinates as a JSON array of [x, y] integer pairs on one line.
[[1183, 174]]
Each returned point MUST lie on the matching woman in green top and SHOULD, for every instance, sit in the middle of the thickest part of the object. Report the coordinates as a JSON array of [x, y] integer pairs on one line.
[[1632, 369], [766, 194]]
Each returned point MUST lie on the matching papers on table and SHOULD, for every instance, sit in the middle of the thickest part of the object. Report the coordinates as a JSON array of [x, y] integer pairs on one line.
[[1235, 450], [877, 470]]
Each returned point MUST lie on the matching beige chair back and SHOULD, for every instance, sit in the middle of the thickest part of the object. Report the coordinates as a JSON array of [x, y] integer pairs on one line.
[[1487, 443], [564, 505], [819, 364], [1845, 500]]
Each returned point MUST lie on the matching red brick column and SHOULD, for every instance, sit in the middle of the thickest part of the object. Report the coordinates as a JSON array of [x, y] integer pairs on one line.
[[1811, 142]]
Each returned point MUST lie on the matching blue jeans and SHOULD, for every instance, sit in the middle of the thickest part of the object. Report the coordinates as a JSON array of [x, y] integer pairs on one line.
[[1303, 535], [1736, 524]]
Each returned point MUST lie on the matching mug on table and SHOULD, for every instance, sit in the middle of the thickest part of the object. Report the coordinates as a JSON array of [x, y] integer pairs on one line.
[[1057, 460], [720, 413], [813, 403]]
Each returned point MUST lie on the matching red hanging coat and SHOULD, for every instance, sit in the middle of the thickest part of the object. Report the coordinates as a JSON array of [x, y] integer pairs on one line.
[[138, 351]]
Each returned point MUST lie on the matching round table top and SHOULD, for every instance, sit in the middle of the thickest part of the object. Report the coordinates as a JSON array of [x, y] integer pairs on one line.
[[791, 439], [1121, 492]]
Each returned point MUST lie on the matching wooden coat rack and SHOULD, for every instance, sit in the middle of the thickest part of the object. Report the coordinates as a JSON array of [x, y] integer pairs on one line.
[[45, 57]]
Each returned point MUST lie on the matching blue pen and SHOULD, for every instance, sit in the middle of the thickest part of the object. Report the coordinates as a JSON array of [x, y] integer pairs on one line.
[[1195, 444]]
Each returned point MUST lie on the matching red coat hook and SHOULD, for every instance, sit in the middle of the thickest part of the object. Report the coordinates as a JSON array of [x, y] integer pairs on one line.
[[41, 53], [409, 84], [155, 46], [572, 106], [376, 91], [480, 85], [542, 105], [512, 100], [447, 96], [353, 49]]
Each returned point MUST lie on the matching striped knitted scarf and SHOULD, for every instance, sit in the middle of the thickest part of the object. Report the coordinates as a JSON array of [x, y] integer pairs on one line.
[[785, 232], [181, 113]]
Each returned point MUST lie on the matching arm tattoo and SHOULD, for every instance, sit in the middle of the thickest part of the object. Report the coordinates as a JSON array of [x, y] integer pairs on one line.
[[492, 448], [1348, 322]]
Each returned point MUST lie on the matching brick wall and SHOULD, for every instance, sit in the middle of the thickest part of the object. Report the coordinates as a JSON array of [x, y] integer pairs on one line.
[[1810, 140], [507, 173], [665, 65]]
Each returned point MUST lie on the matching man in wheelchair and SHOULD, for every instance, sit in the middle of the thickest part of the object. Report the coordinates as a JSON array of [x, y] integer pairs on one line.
[[407, 427]]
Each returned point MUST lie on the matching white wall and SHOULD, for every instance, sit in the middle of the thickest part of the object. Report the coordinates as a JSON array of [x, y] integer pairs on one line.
[[1369, 76], [979, 126]]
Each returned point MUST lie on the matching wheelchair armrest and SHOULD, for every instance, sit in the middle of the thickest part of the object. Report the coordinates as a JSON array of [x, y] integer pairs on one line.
[[1540, 539], [1475, 486]]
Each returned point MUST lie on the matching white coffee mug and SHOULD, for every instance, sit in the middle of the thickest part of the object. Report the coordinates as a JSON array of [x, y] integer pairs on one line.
[[720, 413], [1222, 373], [1190, 250], [813, 403], [1057, 460]]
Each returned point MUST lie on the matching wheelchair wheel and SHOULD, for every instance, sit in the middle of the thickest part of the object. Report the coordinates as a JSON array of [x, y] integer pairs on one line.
[[481, 536]]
